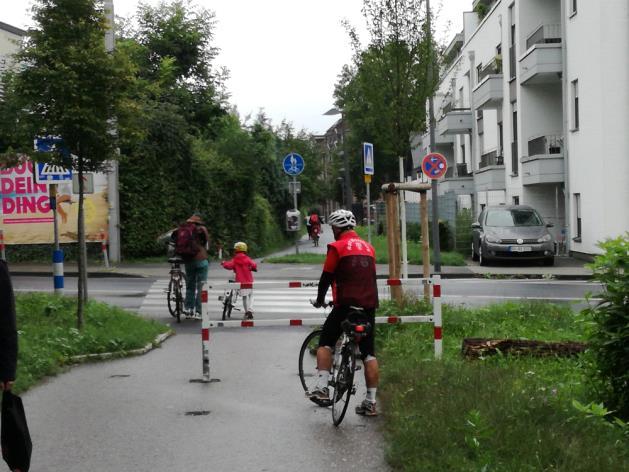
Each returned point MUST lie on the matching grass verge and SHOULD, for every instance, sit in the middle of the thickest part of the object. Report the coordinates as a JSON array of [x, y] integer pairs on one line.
[[48, 337], [414, 251], [303, 258], [501, 413]]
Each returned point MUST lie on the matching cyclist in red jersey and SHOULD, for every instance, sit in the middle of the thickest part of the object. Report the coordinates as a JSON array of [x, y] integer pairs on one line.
[[350, 268]]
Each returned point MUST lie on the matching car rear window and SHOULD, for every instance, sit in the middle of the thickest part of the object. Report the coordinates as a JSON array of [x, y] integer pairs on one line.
[[513, 218]]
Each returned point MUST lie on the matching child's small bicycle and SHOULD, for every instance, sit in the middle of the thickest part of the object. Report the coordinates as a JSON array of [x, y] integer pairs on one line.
[[229, 299]]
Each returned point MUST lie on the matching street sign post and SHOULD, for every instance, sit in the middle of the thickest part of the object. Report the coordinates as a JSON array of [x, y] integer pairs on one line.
[[293, 165], [368, 170], [434, 165]]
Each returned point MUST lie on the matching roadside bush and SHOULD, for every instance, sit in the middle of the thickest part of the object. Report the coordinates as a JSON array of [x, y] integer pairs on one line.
[[463, 231], [610, 336]]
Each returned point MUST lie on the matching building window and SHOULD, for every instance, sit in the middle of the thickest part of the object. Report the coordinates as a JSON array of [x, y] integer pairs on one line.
[[573, 7], [461, 100], [512, 61], [463, 153], [516, 200], [575, 104], [577, 213], [479, 69]]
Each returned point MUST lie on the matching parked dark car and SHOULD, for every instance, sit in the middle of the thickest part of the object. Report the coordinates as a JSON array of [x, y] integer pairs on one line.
[[510, 232]]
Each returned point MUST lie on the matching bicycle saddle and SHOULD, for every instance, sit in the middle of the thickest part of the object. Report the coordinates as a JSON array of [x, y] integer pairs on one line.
[[175, 260]]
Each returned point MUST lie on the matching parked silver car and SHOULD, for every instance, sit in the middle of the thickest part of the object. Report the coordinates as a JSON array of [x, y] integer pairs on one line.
[[510, 232]]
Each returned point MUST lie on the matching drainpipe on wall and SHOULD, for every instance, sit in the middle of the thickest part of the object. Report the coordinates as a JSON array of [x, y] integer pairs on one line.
[[566, 125], [471, 56]]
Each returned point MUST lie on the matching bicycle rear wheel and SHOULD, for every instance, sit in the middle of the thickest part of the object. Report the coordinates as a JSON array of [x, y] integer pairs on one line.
[[228, 305], [308, 360], [171, 296], [343, 384]]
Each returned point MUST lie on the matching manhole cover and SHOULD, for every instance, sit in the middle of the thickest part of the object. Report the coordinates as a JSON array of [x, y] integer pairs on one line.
[[198, 413]]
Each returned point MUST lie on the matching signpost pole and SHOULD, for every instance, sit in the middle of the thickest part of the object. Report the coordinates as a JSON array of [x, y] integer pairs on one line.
[[296, 209], [367, 183], [57, 255]]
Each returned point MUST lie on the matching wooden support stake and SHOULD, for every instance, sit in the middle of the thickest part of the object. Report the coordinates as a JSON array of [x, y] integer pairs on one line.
[[393, 242], [425, 241]]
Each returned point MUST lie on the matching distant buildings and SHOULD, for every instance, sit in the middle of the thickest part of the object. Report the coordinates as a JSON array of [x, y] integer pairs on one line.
[[533, 108]]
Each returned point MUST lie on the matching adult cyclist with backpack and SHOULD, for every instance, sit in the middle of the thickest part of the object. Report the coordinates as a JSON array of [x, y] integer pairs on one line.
[[191, 240]]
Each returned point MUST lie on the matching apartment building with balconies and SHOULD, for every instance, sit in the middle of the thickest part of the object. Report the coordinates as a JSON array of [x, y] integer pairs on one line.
[[532, 108]]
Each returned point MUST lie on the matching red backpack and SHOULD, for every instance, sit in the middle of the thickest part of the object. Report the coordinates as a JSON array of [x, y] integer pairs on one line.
[[314, 219], [187, 245]]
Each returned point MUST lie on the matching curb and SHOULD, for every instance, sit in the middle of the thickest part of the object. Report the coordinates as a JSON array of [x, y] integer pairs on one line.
[[494, 276], [119, 354]]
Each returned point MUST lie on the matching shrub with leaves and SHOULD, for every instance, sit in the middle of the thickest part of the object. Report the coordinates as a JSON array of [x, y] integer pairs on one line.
[[610, 336]]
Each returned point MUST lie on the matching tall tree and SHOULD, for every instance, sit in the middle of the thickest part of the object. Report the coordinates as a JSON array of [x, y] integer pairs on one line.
[[383, 91], [70, 86]]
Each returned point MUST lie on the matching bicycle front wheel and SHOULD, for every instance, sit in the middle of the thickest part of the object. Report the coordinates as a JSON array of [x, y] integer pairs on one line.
[[308, 360], [343, 384], [227, 305]]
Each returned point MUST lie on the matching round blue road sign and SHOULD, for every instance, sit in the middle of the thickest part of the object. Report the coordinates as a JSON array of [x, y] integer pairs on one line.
[[434, 165], [293, 164]]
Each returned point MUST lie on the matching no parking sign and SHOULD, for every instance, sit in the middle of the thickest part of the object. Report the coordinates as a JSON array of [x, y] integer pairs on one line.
[[434, 165]]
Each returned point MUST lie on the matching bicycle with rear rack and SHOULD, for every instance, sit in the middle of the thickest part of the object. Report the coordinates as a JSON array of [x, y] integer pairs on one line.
[[315, 233], [341, 383], [229, 299], [176, 288]]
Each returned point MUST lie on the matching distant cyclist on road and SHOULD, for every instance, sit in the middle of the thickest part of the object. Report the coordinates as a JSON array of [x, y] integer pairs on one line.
[[243, 265], [350, 268], [191, 241]]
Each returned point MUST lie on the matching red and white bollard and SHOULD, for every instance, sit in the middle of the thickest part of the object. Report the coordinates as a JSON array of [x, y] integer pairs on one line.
[[205, 334], [436, 307], [103, 248], [3, 254]]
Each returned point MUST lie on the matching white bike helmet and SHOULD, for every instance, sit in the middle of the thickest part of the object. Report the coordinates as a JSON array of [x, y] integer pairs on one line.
[[342, 219]]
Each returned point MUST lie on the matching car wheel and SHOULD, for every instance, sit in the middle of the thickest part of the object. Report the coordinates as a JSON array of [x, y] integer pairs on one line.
[[549, 262], [474, 255], [482, 260]]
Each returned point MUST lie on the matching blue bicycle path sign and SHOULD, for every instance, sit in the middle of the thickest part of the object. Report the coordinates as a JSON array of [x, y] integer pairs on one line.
[[293, 164]]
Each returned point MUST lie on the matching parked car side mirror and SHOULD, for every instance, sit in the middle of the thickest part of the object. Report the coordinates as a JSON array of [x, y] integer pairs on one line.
[[549, 225], [476, 225]]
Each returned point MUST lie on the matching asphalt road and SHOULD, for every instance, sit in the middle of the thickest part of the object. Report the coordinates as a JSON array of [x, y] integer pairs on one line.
[[144, 414]]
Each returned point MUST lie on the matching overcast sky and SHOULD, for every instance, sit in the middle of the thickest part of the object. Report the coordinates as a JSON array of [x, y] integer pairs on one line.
[[283, 55]]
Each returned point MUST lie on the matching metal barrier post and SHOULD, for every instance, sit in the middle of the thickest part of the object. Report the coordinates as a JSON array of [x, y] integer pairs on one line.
[[436, 307], [103, 247], [205, 334], [57, 265]]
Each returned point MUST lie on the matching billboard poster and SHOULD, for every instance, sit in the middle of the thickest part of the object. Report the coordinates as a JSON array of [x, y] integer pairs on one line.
[[27, 218]]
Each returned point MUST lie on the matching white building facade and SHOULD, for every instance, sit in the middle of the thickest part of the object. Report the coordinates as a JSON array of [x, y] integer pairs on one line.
[[10, 41], [533, 108]]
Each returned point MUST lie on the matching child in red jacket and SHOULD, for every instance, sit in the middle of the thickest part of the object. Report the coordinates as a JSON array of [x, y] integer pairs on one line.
[[242, 265]]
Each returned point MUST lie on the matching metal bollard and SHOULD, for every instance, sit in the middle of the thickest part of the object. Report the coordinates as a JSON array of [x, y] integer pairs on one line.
[[205, 334], [436, 304], [57, 265], [103, 247]]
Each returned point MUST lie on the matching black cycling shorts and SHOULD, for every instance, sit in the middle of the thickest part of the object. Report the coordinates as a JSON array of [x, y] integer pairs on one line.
[[332, 330]]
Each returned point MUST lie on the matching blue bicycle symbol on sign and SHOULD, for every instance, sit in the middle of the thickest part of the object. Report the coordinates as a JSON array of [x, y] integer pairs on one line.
[[293, 164]]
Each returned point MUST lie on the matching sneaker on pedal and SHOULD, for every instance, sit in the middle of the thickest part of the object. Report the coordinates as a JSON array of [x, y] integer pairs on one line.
[[367, 408], [248, 316], [319, 395], [188, 314], [196, 316]]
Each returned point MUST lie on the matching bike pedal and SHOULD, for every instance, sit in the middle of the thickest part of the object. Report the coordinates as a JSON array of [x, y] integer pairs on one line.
[[358, 367], [353, 390], [221, 298]]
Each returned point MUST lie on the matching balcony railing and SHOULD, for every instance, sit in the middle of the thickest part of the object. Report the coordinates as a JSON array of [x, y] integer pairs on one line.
[[491, 68], [462, 170], [491, 159], [552, 144], [545, 34], [447, 107]]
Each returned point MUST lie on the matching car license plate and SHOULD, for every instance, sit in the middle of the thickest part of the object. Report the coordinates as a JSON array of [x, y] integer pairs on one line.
[[521, 248]]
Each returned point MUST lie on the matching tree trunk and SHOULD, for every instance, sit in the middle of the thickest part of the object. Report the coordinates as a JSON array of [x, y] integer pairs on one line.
[[82, 295], [481, 347]]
